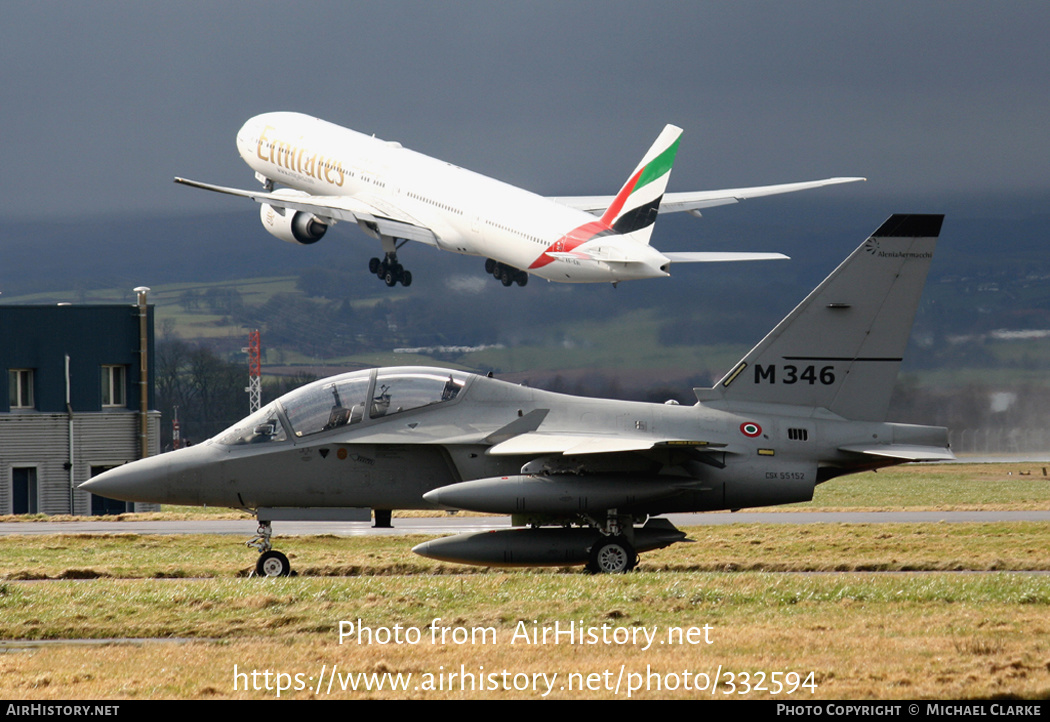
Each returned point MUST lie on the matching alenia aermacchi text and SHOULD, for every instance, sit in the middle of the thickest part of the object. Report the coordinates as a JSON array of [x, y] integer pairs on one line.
[[584, 479], [396, 195]]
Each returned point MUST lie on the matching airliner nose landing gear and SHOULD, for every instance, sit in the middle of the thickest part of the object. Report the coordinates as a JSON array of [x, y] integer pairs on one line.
[[390, 271], [506, 274]]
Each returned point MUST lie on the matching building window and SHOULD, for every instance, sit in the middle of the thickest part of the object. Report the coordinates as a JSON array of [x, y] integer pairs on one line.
[[23, 490], [113, 378], [20, 388]]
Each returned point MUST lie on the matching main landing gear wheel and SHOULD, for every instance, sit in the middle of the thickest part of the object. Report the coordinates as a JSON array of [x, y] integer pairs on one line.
[[507, 275], [273, 564], [612, 555], [390, 271]]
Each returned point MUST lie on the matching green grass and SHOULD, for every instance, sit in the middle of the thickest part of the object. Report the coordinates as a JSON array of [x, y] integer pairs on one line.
[[937, 486], [853, 636], [761, 593], [230, 609]]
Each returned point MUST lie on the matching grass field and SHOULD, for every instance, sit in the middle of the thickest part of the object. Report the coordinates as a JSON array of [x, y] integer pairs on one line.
[[833, 636], [788, 612]]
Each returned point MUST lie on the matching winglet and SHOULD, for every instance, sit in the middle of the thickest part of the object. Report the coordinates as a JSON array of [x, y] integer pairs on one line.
[[634, 209]]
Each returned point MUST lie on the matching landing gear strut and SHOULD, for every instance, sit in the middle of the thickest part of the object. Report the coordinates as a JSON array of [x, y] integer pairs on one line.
[[390, 271], [505, 274], [271, 563]]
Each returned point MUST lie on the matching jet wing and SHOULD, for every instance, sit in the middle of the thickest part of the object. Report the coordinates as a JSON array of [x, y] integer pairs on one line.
[[387, 220], [694, 201], [903, 452], [573, 444]]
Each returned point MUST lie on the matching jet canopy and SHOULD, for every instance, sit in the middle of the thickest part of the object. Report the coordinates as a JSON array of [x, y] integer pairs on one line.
[[346, 400]]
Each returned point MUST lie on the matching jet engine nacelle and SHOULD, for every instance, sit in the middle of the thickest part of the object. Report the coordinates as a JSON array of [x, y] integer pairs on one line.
[[298, 227]]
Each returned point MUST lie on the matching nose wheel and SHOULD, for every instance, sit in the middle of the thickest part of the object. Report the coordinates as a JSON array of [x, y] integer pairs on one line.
[[271, 563]]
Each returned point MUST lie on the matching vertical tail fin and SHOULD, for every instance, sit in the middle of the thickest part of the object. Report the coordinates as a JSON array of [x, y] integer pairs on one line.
[[840, 348], [634, 209]]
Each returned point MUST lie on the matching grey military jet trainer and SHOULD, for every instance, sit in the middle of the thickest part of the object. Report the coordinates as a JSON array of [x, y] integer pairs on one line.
[[582, 478]]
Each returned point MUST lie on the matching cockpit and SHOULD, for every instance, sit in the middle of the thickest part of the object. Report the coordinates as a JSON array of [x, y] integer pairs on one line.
[[346, 400]]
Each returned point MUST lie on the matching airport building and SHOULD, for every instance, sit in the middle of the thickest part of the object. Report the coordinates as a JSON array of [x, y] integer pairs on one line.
[[76, 403]]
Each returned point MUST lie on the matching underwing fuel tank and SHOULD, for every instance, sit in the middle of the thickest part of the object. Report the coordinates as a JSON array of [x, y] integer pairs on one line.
[[558, 493], [539, 547]]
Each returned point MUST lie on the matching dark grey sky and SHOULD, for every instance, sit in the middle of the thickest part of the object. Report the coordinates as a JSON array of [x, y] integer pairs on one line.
[[104, 101]]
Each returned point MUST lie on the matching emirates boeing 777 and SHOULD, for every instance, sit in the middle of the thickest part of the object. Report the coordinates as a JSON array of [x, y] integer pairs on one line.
[[330, 174]]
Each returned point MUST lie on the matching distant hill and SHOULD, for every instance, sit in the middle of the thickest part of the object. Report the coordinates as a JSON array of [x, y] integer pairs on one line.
[[990, 274]]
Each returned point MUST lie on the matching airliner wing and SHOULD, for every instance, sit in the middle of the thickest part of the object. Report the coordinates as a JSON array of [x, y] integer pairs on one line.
[[694, 201], [387, 220]]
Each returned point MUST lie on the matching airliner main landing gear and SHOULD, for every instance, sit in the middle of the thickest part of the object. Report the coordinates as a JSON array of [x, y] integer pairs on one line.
[[390, 271], [505, 274], [271, 563]]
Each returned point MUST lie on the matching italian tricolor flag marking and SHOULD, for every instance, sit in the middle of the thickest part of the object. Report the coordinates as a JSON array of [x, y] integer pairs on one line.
[[750, 429]]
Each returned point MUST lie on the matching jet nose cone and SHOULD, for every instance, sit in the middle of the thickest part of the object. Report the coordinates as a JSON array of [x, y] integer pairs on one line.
[[146, 480], [171, 478]]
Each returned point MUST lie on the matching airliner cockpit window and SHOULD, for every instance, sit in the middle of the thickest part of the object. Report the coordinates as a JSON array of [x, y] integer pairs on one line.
[[327, 404], [399, 391], [261, 427]]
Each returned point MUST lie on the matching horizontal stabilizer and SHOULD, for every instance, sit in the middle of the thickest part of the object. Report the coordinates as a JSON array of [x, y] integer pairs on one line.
[[715, 257]]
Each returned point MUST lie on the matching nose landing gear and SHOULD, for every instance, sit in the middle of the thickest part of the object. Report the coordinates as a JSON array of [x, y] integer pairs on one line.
[[271, 563]]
